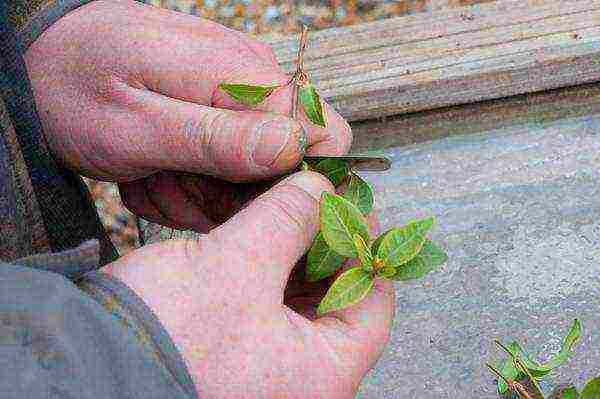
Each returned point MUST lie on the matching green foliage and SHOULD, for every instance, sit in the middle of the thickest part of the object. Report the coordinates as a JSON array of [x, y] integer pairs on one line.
[[512, 372], [400, 245], [247, 94], [364, 252], [360, 193], [312, 105], [340, 221], [322, 261], [350, 288], [592, 389], [334, 169], [428, 260]]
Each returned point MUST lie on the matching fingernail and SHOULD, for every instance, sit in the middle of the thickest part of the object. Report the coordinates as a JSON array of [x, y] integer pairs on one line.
[[313, 183], [273, 137]]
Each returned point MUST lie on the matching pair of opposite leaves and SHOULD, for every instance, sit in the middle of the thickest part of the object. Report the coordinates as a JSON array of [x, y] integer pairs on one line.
[[399, 254], [511, 370], [254, 95]]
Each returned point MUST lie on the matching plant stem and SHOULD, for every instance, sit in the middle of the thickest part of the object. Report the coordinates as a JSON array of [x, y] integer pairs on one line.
[[522, 368], [299, 78], [498, 374]]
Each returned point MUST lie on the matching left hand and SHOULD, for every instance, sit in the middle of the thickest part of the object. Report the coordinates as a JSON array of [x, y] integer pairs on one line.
[[247, 328], [128, 93]]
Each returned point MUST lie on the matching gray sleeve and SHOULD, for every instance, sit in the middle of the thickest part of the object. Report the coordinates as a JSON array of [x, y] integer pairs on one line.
[[58, 341]]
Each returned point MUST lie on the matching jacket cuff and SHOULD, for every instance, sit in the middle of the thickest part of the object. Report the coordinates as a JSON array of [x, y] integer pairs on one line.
[[71, 263], [30, 21], [131, 311]]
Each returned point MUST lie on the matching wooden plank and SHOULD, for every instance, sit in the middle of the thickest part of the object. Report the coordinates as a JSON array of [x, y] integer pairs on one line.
[[533, 109], [438, 59]]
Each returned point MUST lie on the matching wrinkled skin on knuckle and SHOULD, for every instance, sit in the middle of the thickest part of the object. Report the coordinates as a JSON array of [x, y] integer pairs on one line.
[[290, 212]]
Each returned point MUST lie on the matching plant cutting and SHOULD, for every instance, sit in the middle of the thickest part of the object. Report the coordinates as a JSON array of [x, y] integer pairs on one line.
[[400, 254], [520, 366]]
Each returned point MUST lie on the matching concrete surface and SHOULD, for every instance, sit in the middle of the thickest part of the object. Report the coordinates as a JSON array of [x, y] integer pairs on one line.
[[518, 210]]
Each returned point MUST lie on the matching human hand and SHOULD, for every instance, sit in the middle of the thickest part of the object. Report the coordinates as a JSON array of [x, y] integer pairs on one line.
[[128, 93], [222, 301]]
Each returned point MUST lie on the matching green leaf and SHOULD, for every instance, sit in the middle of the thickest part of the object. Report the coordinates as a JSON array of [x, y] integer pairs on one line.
[[350, 288], [340, 221], [570, 393], [334, 169], [386, 272], [509, 370], [322, 261], [304, 166], [535, 369], [377, 242], [364, 252], [592, 389], [402, 244], [247, 94], [566, 350], [360, 193], [312, 104], [429, 259]]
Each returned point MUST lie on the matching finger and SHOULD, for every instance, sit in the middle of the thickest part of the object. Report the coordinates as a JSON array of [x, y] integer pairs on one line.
[[134, 197], [236, 146], [335, 139], [276, 229], [369, 322]]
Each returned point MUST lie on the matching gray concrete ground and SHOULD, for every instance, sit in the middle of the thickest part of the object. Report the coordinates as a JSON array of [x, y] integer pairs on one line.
[[518, 210]]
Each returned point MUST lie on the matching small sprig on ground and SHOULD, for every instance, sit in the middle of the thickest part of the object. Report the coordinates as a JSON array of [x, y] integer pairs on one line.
[[521, 374]]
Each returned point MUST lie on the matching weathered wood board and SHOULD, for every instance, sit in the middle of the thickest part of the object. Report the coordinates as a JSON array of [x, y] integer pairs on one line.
[[451, 57]]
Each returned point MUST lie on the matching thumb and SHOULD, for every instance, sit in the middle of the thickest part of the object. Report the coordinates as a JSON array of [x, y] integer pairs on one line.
[[232, 145], [275, 230]]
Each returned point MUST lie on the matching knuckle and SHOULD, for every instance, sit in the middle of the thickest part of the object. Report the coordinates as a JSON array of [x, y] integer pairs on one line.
[[292, 209]]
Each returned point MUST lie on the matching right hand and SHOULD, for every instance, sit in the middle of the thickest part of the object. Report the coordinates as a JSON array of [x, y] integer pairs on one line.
[[223, 301]]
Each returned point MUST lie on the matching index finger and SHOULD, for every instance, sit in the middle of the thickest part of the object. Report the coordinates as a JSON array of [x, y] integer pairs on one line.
[[334, 139]]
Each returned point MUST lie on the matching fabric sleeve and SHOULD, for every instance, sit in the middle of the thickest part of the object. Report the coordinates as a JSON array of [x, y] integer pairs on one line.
[[32, 17], [98, 340]]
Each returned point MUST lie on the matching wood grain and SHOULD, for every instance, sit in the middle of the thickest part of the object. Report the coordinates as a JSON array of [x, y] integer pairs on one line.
[[445, 58]]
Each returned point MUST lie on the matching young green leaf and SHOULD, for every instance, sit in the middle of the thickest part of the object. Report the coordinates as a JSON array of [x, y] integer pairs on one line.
[[569, 393], [566, 350], [350, 288], [592, 389], [312, 104], [247, 94], [429, 259], [509, 370], [360, 193], [364, 252], [322, 261], [377, 242], [386, 272], [401, 245], [334, 169], [537, 370], [340, 220]]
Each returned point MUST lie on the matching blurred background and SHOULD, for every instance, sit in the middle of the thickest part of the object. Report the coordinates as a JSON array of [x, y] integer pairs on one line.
[[271, 18]]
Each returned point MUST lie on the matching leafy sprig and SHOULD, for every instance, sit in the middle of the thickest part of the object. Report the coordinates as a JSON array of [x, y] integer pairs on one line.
[[303, 91], [520, 367], [400, 254]]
